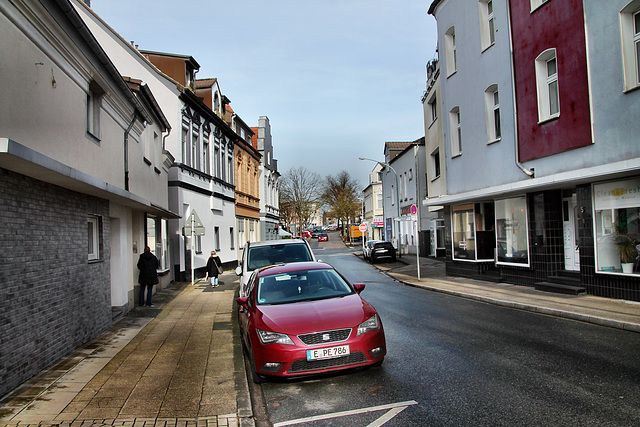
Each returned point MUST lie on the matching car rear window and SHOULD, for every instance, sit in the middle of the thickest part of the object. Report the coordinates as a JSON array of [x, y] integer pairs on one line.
[[262, 256], [381, 245]]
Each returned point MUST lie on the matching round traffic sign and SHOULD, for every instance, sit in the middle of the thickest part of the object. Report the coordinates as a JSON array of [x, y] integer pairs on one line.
[[362, 227], [414, 210]]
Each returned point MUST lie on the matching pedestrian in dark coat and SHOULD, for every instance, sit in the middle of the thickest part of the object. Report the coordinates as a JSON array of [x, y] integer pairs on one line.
[[148, 266], [214, 267]]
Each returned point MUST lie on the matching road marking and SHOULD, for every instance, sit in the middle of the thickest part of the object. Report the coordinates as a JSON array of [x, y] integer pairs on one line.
[[395, 409]]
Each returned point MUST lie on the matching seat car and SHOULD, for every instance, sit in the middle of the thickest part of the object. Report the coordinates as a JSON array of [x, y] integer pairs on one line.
[[382, 250], [366, 251], [322, 237], [261, 254], [302, 319]]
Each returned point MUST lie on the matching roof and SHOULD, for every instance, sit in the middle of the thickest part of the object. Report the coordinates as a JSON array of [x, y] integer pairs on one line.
[[205, 83]]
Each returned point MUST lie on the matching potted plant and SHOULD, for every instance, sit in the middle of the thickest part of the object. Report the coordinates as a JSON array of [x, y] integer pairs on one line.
[[627, 251]]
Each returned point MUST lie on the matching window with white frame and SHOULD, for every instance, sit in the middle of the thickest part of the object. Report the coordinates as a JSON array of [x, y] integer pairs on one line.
[[455, 125], [537, 3], [435, 164], [547, 85], [186, 146], [492, 108], [93, 237], [158, 239], [94, 105], [630, 31], [206, 166], [450, 51], [379, 199], [487, 24], [473, 237]]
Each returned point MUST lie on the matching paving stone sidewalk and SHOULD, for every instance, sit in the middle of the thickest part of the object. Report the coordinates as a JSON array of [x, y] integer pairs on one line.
[[178, 363]]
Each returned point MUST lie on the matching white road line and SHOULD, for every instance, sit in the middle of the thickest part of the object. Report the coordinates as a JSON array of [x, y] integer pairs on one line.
[[402, 405], [386, 417]]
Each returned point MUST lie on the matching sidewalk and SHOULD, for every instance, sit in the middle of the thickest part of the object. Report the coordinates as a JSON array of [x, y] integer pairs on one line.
[[175, 364], [585, 308]]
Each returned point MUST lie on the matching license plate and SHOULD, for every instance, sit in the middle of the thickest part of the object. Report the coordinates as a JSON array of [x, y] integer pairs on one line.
[[328, 353]]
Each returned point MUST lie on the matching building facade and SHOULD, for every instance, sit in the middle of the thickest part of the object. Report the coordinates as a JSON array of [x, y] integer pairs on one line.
[[83, 187], [373, 205], [269, 179], [552, 194]]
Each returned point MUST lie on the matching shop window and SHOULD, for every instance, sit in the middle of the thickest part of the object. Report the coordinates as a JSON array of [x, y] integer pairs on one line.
[[512, 236], [473, 235], [617, 226]]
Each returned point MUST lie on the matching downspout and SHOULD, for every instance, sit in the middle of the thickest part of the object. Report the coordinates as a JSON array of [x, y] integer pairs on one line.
[[529, 172], [126, 152]]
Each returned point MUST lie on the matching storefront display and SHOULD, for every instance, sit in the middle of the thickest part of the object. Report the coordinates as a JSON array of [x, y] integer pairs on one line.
[[512, 231], [617, 226]]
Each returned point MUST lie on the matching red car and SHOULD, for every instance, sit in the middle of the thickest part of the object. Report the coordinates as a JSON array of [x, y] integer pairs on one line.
[[305, 318], [322, 237], [306, 234]]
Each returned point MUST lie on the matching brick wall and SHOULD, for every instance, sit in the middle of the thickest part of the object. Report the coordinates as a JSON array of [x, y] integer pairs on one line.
[[52, 300]]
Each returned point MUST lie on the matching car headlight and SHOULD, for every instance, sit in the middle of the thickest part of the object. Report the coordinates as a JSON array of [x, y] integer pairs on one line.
[[370, 324], [268, 337]]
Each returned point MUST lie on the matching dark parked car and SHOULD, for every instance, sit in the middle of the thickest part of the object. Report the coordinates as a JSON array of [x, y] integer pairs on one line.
[[306, 318], [382, 250]]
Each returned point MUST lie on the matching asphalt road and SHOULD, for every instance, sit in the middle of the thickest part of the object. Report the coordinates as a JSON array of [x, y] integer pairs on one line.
[[453, 361]]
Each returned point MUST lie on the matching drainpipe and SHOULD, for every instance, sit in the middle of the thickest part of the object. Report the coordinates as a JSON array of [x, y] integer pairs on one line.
[[529, 172], [126, 152]]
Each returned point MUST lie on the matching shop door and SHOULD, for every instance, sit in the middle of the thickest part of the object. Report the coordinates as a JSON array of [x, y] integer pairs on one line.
[[570, 230]]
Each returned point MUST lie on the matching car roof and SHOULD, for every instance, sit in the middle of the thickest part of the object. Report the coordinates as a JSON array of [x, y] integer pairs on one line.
[[276, 242], [292, 267]]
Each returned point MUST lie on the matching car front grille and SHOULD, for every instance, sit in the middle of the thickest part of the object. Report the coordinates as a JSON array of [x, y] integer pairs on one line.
[[326, 337], [304, 365]]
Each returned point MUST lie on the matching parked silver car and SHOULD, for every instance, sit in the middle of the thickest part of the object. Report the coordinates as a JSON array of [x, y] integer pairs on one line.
[[366, 251]]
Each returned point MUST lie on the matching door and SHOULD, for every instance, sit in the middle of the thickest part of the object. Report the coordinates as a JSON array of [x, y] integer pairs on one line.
[[570, 230]]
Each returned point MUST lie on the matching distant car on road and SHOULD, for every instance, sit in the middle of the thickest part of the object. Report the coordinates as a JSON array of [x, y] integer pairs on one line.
[[306, 234], [306, 318], [322, 237], [382, 250], [366, 251]]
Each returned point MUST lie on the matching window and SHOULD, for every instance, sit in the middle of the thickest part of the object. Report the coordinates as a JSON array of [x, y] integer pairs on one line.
[[473, 235], [487, 24], [158, 239], [195, 153], [186, 146], [435, 164], [93, 237], [512, 236], [433, 108], [231, 236], [450, 51], [455, 125], [630, 29], [205, 157], [617, 226], [216, 238], [537, 3], [379, 199], [492, 105], [547, 83], [94, 105]]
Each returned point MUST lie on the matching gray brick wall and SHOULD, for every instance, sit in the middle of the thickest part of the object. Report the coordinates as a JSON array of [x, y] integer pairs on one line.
[[52, 300]]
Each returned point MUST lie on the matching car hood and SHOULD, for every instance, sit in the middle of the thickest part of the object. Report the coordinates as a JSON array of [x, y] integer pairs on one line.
[[312, 316]]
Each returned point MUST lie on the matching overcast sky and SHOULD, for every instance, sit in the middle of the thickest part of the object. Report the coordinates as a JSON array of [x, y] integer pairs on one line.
[[337, 78]]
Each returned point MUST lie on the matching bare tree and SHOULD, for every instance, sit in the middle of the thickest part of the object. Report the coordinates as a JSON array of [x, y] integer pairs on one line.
[[341, 193], [300, 195]]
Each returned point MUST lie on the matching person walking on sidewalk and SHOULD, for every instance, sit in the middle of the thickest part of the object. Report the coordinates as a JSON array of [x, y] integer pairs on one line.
[[148, 266], [214, 268]]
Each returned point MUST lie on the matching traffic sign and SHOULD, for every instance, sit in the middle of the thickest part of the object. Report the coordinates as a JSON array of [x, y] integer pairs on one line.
[[414, 210], [194, 224], [362, 227]]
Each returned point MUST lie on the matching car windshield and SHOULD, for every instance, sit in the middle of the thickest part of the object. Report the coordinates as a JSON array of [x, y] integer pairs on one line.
[[303, 285], [278, 253]]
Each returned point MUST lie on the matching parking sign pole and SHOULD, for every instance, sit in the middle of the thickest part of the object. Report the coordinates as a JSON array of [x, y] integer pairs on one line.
[[414, 214]]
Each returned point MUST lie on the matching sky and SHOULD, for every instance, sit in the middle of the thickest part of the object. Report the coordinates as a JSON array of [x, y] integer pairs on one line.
[[337, 78]]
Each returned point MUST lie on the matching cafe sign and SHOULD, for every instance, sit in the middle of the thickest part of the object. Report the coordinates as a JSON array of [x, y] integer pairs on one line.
[[617, 194]]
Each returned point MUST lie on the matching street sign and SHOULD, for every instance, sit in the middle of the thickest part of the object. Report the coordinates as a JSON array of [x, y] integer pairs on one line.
[[363, 227], [194, 224], [414, 210]]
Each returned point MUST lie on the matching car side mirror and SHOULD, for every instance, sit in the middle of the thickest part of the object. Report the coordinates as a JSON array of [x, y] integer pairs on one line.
[[239, 270], [359, 287], [243, 301]]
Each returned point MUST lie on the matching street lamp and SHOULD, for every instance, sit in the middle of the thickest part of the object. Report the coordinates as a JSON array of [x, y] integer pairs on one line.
[[397, 200]]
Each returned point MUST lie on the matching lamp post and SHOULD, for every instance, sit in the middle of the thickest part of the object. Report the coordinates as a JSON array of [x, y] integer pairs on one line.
[[397, 232]]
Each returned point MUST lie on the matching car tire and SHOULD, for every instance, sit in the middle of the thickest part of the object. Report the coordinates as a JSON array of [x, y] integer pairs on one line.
[[255, 376]]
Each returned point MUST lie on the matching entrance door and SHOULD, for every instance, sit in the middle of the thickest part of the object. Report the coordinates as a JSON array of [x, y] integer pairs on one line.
[[570, 230]]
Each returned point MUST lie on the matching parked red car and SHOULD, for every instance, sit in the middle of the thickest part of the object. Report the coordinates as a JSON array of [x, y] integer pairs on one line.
[[305, 318], [306, 234], [322, 237]]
